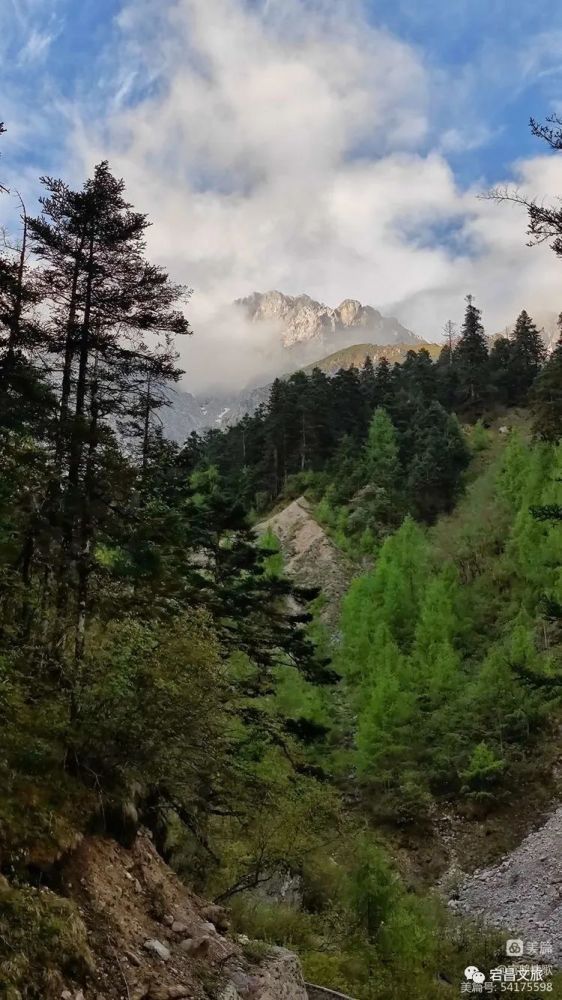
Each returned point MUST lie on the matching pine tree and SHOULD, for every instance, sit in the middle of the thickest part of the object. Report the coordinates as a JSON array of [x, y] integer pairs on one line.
[[368, 384], [418, 375], [384, 383], [546, 397], [440, 457], [276, 431], [470, 358], [529, 354], [377, 507], [382, 465], [104, 298], [502, 371]]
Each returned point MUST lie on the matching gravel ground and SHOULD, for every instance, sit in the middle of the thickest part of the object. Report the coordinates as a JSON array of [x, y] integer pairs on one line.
[[523, 893]]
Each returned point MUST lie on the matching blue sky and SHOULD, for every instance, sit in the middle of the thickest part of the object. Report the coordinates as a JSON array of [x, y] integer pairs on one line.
[[329, 146], [503, 62], [508, 55]]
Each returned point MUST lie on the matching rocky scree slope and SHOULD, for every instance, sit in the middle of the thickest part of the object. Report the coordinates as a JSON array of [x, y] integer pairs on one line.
[[523, 892], [150, 938]]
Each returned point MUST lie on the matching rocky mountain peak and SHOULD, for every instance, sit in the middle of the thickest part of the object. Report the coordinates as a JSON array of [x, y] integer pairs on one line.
[[301, 319]]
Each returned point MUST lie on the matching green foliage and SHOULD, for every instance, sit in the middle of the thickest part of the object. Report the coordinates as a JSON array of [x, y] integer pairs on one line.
[[269, 543], [156, 664], [471, 360], [479, 437], [451, 668], [41, 938], [546, 398], [366, 935], [483, 772]]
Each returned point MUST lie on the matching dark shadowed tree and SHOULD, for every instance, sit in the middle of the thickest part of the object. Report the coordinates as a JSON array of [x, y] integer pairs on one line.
[[470, 358], [546, 397]]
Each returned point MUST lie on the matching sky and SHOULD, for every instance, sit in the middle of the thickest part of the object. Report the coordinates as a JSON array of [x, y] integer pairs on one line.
[[334, 147]]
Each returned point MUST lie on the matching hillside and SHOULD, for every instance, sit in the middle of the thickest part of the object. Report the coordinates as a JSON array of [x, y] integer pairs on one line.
[[121, 924], [356, 355], [308, 666], [187, 413], [310, 557]]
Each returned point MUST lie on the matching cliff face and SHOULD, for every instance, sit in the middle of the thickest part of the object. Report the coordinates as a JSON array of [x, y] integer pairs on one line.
[[301, 319]]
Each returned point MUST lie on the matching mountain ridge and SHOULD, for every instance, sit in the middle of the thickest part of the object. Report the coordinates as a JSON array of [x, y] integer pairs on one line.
[[187, 412], [302, 319]]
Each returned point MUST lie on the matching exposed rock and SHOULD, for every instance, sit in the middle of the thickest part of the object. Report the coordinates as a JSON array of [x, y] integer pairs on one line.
[[217, 916], [281, 977], [157, 948], [229, 992], [126, 936], [523, 893], [301, 319], [244, 982], [311, 558], [197, 948], [178, 927], [157, 992]]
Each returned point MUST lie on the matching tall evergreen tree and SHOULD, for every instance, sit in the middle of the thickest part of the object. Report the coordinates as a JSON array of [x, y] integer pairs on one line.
[[440, 457], [546, 397], [368, 383], [384, 383], [471, 360], [502, 375], [529, 354], [105, 298]]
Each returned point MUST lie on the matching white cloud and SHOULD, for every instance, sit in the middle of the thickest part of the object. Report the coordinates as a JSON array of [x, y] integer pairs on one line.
[[36, 47], [281, 146]]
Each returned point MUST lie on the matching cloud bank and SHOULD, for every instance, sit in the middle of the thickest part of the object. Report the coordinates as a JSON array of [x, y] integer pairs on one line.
[[293, 144]]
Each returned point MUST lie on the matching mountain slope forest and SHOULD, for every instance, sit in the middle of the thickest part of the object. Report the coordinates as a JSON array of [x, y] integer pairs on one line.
[[159, 670]]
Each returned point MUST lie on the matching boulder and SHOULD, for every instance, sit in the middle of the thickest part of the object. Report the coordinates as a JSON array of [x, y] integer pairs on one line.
[[217, 916], [157, 948]]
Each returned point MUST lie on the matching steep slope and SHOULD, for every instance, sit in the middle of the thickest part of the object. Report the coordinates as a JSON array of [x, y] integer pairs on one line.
[[142, 934], [310, 557], [522, 893]]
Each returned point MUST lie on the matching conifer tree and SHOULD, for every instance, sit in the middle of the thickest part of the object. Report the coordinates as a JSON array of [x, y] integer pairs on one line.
[[471, 360], [368, 384], [546, 397], [377, 506], [105, 298], [502, 375], [382, 464], [529, 354], [384, 383], [440, 457]]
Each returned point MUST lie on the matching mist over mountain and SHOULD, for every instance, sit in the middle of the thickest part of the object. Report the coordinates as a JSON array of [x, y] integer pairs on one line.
[[248, 343], [303, 321], [237, 353]]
